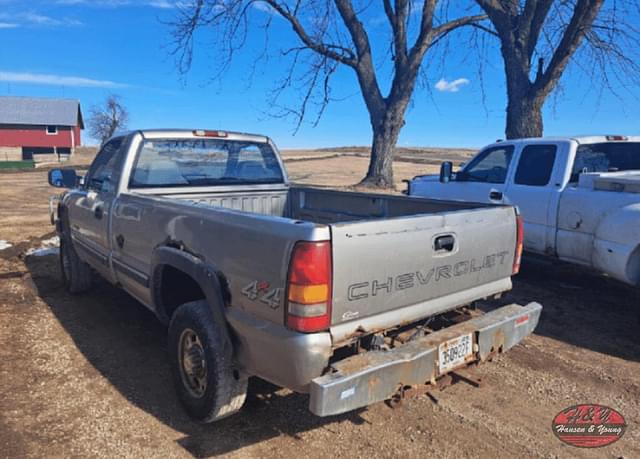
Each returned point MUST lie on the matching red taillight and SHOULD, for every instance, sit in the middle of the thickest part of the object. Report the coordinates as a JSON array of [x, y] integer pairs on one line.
[[617, 137], [519, 244], [309, 287]]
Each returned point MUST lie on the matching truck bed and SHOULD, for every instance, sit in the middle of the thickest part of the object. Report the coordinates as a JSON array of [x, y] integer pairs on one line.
[[317, 205], [386, 266]]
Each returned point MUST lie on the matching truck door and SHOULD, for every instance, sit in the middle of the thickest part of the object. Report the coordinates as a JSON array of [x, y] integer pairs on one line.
[[91, 206], [484, 178], [535, 189]]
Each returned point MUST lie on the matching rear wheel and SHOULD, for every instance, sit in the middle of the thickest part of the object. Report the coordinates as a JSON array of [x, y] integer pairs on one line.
[[207, 384], [76, 274]]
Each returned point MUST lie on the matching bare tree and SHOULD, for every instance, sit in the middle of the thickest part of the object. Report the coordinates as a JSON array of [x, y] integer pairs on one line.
[[330, 34], [106, 119], [554, 33]]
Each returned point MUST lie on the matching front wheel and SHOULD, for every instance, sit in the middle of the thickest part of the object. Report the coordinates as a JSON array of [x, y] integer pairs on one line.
[[76, 274], [207, 384]]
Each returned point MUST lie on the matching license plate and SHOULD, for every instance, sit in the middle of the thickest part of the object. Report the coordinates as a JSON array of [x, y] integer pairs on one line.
[[453, 353]]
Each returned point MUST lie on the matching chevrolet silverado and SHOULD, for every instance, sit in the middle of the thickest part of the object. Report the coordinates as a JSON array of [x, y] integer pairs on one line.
[[346, 296]]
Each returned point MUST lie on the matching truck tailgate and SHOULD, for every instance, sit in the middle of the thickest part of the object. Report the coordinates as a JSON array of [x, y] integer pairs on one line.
[[383, 265]]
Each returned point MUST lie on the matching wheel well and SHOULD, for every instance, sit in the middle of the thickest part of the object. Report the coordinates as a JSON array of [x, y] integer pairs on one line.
[[633, 266], [177, 288]]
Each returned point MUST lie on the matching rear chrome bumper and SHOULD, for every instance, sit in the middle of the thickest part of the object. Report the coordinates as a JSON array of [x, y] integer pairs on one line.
[[375, 376]]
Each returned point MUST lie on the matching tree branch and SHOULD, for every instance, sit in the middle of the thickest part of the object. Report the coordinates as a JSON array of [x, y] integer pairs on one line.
[[498, 16], [347, 57], [450, 26], [531, 21], [365, 70], [485, 29], [583, 16], [398, 21]]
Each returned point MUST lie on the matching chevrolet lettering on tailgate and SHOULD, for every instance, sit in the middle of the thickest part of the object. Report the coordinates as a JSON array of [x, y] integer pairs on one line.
[[362, 290]]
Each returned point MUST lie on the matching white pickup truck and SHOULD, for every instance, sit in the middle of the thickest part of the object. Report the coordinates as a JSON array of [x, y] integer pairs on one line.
[[579, 196]]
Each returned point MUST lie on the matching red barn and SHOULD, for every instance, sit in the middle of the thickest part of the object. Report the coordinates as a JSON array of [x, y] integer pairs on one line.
[[31, 126]]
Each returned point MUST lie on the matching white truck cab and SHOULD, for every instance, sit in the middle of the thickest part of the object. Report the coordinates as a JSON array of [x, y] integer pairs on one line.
[[578, 196]]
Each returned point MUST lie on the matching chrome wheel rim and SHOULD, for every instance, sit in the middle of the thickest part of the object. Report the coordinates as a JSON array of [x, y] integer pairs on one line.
[[193, 366]]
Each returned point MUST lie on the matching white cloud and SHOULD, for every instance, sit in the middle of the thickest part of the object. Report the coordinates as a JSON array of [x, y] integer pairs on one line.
[[40, 19], [57, 80], [94, 2], [451, 86], [35, 19], [162, 4]]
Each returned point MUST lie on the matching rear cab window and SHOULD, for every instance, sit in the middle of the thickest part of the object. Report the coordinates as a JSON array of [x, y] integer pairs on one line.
[[535, 165], [204, 162], [605, 157]]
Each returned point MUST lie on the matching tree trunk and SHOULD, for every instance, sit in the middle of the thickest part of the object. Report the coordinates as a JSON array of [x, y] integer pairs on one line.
[[386, 129], [524, 103], [524, 117], [385, 136]]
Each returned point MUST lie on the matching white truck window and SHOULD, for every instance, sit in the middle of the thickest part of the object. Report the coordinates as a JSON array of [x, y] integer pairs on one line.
[[490, 166], [106, 167], [606, 157], [204, 162], [535, 165]]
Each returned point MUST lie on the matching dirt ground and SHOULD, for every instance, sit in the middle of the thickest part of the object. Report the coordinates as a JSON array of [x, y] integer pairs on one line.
[[87, 375]]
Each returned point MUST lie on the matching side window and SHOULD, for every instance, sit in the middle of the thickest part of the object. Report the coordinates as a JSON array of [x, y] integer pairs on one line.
[[535, 165], [104, 172], [490, 166]]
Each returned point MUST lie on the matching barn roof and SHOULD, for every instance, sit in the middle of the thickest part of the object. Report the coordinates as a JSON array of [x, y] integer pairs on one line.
[[31, 110]]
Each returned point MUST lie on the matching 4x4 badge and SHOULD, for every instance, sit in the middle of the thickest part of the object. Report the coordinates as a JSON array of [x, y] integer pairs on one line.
[[260, 291]]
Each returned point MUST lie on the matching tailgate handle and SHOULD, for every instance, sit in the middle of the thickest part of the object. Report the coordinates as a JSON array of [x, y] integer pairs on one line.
[[445, 243]]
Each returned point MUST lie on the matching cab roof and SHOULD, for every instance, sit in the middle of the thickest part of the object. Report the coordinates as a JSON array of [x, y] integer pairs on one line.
[[195, 134], [581, 139]]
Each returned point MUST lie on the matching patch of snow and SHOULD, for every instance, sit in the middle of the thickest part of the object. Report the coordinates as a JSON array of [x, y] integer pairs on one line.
[[42, 252], [51, 242], [4, 244], [47, 247]]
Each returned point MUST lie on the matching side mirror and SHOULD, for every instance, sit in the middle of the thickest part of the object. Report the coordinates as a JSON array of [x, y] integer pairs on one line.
[[63, 178], [446, 170]]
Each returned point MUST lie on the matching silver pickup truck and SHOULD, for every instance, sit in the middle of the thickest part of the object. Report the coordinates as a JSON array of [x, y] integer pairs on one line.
[[347, 296]]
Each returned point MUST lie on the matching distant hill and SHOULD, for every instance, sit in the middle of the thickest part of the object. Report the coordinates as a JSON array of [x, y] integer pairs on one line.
[[422, 155]]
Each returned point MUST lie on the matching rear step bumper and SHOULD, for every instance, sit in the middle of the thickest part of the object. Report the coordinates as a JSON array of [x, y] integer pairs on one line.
[[374, 376]]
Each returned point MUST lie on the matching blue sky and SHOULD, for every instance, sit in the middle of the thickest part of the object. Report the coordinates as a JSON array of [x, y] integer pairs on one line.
[[87, 49]]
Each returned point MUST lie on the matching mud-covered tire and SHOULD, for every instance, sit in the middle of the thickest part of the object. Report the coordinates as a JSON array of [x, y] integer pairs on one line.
[[76, 274], [197, 353]]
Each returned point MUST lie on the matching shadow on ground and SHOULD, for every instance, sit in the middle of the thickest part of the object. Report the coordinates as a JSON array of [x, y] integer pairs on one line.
[[581, 307], [127, 345]]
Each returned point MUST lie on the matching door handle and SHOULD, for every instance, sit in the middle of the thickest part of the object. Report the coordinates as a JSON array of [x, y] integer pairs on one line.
[[495, 195], [98, 212]]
